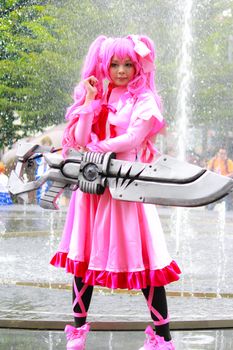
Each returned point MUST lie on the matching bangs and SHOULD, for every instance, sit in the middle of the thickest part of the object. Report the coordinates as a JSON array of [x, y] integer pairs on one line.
[[120, 47], [123, 48]]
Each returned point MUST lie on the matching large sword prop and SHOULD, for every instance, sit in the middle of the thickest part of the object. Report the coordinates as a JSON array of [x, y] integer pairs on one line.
[[167, 181]]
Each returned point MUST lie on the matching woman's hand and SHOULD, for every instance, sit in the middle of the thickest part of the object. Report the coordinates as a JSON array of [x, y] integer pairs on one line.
[[90, 84]]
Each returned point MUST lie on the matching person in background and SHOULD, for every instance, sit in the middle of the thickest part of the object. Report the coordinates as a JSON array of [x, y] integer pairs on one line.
[[41, 167], [5, 198], [222, 165]]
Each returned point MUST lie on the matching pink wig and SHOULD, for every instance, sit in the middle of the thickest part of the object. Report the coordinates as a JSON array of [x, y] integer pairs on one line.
[[98, 61]]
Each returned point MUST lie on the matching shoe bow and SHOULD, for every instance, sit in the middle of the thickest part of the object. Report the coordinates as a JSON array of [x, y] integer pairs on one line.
[[73, 333], [154, 339]]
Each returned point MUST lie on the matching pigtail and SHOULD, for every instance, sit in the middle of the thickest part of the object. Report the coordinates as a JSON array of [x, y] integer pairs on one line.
[[92, 58], [92, 66], [151, 75]]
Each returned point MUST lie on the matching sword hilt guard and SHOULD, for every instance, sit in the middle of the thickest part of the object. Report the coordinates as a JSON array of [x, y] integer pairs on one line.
[[93, 171]]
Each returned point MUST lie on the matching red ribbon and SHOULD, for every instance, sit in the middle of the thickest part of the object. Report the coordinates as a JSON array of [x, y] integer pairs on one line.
[[99, 127]]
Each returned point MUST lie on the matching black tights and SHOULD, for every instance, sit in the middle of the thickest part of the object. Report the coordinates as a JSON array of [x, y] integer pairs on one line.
[[159, 302], [86, 299]]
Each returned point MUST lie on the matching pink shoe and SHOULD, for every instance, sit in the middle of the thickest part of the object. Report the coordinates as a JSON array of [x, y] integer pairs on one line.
[[76, 337], [155, 342]]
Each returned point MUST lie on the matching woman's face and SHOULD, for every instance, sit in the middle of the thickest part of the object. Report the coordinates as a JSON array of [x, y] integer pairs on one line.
[[121, 71]]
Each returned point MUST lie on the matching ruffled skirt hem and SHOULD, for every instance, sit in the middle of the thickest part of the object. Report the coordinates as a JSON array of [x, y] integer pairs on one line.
[[114, 280]]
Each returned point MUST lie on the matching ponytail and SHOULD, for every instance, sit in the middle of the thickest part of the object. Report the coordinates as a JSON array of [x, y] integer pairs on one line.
[[91, 67]]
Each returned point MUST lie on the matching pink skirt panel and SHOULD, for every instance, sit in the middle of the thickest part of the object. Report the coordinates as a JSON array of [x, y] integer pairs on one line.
[[114, 280]]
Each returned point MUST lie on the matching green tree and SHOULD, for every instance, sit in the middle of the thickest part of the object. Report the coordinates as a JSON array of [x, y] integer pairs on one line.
[[32, 96], [213, 70], [43, 44]]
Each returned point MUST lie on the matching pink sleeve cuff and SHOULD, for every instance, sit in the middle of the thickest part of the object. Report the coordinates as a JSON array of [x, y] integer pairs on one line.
[[90, 108], [83, 116]]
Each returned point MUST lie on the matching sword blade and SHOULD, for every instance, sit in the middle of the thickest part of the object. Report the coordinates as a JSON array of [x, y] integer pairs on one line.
[[166, 182]]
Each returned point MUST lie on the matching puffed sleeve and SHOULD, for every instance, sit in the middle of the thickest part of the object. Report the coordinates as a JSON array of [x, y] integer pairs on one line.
[[146, 108]]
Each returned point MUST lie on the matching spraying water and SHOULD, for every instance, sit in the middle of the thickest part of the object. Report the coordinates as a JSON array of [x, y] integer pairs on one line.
[[183, 113], [184, 78], [221, 258]]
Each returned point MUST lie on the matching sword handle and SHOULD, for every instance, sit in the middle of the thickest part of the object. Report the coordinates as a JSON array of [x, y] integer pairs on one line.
[[49, 198]]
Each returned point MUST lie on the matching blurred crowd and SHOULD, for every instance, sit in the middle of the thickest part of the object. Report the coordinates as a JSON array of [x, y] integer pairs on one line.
[[220, 163]]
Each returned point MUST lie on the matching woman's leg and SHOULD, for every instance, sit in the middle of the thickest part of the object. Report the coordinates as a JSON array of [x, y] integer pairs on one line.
[[82, 294], [157, 303]]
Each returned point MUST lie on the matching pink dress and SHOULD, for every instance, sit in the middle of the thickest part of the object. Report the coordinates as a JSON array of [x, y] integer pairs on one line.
[[108, 242]]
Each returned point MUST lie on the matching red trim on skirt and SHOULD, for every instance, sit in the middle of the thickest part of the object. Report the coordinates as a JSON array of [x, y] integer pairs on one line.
[[122, 280]]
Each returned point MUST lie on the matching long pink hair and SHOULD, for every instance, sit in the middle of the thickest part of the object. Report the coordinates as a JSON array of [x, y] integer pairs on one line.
[[98, 60]]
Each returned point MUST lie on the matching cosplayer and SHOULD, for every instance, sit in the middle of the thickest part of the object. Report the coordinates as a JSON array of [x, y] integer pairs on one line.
[[109, 242]]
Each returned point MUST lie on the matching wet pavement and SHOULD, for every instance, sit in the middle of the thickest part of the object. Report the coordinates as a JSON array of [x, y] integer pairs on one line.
[[35, 295], [48, 308], [51, 340]]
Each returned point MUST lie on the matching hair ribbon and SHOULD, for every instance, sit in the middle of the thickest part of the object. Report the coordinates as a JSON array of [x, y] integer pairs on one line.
[[144, 52]]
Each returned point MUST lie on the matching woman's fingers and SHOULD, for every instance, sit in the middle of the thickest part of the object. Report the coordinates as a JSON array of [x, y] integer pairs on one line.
[[90, 81], [90, 85]]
